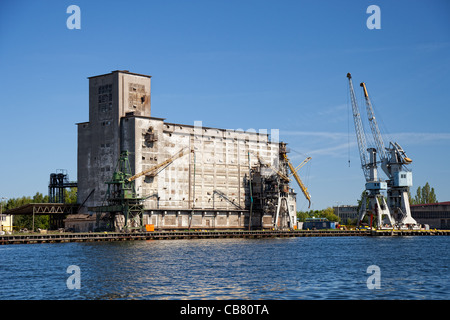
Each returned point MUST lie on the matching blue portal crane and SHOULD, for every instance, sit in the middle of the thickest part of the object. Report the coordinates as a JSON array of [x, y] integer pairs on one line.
[[374, 185], [394, 163], [395, 213]]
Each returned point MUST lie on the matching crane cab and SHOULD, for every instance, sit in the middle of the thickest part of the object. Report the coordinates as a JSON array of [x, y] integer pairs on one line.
[[403, 179], [376, 185]]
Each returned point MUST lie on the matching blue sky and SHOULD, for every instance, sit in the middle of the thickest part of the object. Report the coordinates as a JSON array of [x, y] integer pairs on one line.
[[232, 64]]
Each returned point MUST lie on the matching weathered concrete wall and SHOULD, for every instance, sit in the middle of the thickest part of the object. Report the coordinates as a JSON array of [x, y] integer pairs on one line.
[[213, 175], [111, 97], [202, 220], [207, 187]]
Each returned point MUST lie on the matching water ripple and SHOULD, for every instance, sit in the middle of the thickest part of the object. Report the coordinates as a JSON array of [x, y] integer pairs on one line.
[[295, 268]]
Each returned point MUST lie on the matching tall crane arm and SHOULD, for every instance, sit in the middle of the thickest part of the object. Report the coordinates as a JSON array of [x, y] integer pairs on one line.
[[301, 165], [374, 125], [395, 154], [299, 181], [360, 135], [162, 164], [278, 172]]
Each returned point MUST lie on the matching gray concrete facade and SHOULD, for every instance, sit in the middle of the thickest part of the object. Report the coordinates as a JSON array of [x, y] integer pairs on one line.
[[208, 187], [111, 97]]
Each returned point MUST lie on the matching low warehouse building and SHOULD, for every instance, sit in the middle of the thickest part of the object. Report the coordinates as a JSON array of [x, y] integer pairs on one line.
[[435, 215]]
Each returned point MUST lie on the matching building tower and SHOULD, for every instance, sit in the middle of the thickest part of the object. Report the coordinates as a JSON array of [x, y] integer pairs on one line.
[[111, 97]]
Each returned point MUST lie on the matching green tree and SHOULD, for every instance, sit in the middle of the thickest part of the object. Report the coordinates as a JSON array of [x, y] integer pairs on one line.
[[40, 221], [424, 195], [328, 213], [303, 215], [70, 195], [39, 198], [418, 198]]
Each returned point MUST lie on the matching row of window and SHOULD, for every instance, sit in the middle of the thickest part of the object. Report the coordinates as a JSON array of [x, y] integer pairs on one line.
[[105, 107], [430, 214], [107, 88], [104, 98]]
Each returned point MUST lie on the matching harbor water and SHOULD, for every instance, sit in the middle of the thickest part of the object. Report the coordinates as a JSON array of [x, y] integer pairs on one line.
[[316, 268]]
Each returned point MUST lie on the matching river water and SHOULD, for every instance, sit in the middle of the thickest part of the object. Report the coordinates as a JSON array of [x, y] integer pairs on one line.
[[282, 268]]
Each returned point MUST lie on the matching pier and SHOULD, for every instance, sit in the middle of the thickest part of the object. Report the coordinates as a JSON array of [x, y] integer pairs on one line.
[[172, 235]]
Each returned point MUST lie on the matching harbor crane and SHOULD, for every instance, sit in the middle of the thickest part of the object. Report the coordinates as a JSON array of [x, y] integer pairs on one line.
[[396, 211], [294, 171], [270, 191], [152, 171], [297, 178], [121, 200]]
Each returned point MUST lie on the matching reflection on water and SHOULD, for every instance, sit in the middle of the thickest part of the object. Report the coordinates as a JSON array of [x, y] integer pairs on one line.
[[294, 268]]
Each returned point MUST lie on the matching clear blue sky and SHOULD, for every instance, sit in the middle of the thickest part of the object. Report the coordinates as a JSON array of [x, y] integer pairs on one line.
[[232, 64]]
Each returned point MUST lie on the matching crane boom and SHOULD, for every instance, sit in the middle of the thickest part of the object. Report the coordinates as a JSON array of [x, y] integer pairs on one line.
[[162, 164], [299, 181], [301, 165], [293, 172], [278, 172], [374, 126], [361, 137]]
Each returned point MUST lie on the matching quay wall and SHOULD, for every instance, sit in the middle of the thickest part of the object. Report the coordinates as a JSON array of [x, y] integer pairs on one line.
[[170, 235]]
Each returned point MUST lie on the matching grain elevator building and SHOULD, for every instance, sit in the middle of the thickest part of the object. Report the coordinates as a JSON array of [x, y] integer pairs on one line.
[[225, 179]]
